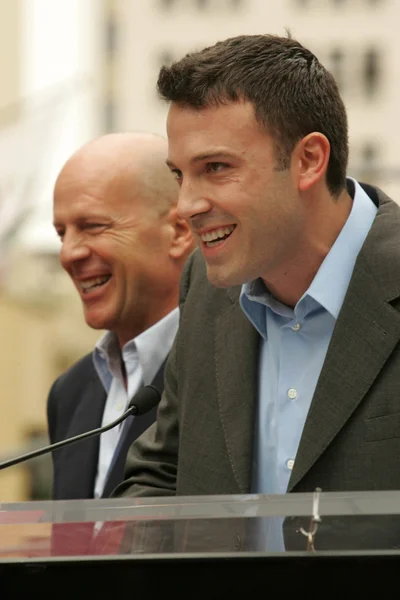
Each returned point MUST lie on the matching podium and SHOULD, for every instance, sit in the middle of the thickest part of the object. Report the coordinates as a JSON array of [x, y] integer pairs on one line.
[[343, 544]]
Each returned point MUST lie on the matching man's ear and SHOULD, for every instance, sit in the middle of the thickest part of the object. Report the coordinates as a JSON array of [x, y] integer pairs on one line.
[[182, 242], [311, 156]]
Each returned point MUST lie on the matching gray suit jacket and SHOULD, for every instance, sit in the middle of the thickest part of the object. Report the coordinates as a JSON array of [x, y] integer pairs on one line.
[[202, 441]]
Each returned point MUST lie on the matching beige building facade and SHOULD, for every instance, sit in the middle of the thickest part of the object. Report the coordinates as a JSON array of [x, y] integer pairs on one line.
[[43, 332], [47, 109], [116, 53], [356, 39], [10, 33]]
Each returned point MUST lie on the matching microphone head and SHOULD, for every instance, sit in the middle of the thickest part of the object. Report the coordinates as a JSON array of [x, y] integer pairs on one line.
[[146, 398]]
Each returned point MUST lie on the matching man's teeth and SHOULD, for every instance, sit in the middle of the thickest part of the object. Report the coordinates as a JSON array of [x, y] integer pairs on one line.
[[88, 284], [216, 235]]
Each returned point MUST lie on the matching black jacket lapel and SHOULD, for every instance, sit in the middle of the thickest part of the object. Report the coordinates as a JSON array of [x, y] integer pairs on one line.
[[79, 460], [132, 429]]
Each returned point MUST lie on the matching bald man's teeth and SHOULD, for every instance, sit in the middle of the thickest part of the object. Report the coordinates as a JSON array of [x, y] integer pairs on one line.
[[215, 237], [90, 284]]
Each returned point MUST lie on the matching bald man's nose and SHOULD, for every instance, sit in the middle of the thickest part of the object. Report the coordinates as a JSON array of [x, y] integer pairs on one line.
[[73, 249]]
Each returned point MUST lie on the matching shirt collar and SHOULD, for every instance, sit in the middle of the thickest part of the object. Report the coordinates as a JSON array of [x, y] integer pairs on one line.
[[330, 284], [151, 348], [153, 345]]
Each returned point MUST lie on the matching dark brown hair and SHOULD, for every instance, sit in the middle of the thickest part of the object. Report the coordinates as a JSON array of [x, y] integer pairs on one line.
[[292, 93]]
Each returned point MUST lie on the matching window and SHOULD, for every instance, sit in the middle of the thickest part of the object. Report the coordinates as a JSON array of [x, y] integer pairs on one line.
[[166, 4], [371, 71], [200, 5], [369, 156], [336, 59], [111, 36], [109, 116], [166, 58]]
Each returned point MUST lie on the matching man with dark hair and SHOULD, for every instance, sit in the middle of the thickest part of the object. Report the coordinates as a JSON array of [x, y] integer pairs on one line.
[[284, 373]]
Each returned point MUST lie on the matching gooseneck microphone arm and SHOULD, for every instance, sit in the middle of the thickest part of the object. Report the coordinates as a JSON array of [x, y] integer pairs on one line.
[[145, 399]]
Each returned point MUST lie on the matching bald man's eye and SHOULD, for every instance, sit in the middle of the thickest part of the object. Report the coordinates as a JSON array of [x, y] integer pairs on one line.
[[177, 174], [95, 226]]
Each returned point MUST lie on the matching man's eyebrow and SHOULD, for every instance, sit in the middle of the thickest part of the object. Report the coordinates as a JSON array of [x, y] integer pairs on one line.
[[205, 156]]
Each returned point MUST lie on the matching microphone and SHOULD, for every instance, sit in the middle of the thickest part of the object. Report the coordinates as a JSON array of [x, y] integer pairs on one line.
[[144, 400]]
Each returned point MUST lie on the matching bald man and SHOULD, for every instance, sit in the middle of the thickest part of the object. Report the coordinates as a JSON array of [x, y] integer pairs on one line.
[[124, 246]]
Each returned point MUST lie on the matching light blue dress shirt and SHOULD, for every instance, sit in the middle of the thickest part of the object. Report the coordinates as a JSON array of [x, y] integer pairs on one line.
[[142, 356], [293, 349]]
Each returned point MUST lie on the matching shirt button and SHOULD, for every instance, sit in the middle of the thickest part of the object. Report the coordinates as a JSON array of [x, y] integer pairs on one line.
[[292, 394], [296, 327], [120, 406], [290, 464]]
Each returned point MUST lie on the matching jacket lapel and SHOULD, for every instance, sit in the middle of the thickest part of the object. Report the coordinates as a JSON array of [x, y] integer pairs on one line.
[[132, 429], [79, 460], [366, 332], [236, 363]]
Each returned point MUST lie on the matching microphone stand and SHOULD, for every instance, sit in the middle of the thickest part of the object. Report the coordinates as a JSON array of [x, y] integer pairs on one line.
[[145, 399], [76, 438]]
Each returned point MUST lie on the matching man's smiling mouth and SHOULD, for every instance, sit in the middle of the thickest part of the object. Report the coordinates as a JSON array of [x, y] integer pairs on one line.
[[90, 284], [216, 236]]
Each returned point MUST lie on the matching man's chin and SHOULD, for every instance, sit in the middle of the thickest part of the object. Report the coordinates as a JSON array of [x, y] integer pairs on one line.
[[97, 321], [221, 278], [96, 325]]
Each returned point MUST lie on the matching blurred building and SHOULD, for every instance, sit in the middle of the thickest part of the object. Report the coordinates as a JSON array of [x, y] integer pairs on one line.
[[43, 333], [9, 60], [49, 95], [356, 39], [73, 69]]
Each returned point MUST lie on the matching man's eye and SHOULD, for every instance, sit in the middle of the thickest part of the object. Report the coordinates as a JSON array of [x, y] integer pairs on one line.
[[60, 233], [216, 167], [177, 174], [94, 225]]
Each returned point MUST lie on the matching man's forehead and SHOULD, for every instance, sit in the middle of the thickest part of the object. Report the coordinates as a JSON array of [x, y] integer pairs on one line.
[[194, 140], [243, 108]]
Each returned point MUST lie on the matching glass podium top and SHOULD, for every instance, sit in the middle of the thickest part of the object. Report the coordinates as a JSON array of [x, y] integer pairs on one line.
[[284, 525]]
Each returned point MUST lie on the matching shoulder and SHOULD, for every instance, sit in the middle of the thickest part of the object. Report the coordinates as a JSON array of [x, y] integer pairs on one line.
[[195, 283], [200, 302], [380, 254], [386, 224], [194, 270], [66, 393], [75, 377], [384, 203]]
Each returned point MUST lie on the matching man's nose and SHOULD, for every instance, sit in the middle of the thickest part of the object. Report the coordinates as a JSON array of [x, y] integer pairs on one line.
[[73, 249], [192, 201]]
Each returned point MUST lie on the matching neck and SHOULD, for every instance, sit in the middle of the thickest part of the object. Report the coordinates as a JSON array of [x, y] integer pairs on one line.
[[296, 274], [144, 319]]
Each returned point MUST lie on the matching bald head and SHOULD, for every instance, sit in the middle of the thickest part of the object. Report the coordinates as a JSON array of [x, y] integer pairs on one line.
[[134, 162], [122, 241]]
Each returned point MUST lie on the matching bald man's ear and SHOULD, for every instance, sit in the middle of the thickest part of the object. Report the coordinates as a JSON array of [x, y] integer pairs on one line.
[[182, 242]]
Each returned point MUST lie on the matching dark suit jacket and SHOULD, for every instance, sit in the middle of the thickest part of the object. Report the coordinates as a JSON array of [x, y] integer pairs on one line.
[[202, 442], [75, 405]]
